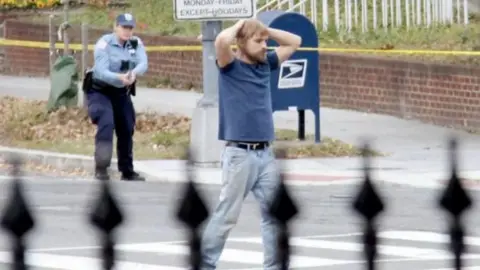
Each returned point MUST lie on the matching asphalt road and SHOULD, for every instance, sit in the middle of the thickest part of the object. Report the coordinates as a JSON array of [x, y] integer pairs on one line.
[[325, 234]]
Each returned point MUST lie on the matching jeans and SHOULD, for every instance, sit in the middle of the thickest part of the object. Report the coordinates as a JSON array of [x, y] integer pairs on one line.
[[243, 171]]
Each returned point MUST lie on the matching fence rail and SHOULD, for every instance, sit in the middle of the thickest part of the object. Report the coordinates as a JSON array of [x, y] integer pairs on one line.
[[367, 15], [106, 215]]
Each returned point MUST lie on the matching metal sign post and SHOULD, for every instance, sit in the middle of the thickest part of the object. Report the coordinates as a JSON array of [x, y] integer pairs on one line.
[[204, 129]]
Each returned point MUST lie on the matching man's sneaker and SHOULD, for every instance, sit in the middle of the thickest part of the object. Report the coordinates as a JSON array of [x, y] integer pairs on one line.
[[132, 177], [102, 175]]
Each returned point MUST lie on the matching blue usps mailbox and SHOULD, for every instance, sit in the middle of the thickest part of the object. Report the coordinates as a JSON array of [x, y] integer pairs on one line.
[[295, 85]]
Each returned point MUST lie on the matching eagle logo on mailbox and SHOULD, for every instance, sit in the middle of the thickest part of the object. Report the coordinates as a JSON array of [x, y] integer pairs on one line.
[[292, 74]]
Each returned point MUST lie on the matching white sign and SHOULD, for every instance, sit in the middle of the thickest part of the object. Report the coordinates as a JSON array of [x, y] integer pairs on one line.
[[292, 74], [201, 10]]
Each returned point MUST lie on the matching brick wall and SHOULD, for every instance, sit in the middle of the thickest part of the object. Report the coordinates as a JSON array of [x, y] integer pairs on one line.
[[183, 68], [440, 94]]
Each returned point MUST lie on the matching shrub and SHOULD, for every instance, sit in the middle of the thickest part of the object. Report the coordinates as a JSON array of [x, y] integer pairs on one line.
[[28, 4], [42, 4]]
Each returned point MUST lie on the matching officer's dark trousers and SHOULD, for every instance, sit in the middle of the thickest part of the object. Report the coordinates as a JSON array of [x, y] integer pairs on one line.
[[112, 111]]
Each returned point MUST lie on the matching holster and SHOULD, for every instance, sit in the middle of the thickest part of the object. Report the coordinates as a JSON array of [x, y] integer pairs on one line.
[[87, 80]]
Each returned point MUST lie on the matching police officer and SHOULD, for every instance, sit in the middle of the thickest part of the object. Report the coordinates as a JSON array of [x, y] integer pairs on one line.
[[119, 58]]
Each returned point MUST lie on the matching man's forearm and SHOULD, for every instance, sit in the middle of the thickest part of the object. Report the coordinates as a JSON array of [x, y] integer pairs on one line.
[[229, 34], [284, 38]]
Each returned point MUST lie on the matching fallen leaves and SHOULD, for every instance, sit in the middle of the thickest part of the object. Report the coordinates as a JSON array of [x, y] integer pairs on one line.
[[27, 124], [28, 120], [45, 169]]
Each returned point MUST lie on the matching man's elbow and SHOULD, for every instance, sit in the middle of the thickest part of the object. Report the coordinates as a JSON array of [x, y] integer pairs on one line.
[[222, 41], [297, 41], [223, 49], [218, 43]]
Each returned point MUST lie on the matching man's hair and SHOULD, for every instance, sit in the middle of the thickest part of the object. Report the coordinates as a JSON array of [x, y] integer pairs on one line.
[[250, 28]]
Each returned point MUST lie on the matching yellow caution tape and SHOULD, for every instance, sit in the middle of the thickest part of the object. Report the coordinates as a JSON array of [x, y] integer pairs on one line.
[[455, 53], [46, 45], [39, 44], [173, 48]]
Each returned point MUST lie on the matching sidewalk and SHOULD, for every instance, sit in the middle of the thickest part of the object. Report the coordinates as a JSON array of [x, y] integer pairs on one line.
[[415, 148]]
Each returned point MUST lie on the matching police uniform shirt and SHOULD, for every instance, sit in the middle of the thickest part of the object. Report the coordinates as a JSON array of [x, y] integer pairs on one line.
[[109, 54]]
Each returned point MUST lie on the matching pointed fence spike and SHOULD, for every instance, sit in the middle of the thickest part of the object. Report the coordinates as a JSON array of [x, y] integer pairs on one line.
[[284, 209], [369, 205], [106, 216], [455, 200], [17, 218], [192, 212]]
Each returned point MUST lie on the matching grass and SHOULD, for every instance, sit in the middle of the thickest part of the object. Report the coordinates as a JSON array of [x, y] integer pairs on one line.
[[26, 124], [157, 17]]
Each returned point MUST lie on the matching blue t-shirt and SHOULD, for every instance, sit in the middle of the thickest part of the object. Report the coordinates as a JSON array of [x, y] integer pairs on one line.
[[245, 105]]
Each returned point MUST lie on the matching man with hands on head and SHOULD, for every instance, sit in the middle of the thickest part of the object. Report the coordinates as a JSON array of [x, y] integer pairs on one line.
[[246, 125]]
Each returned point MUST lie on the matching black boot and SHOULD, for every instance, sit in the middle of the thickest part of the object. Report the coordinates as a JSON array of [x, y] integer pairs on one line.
[[102, 174], [132, 176]]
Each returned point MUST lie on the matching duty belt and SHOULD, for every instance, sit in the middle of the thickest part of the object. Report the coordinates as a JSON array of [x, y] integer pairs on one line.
[[105, 88], [249, 145]]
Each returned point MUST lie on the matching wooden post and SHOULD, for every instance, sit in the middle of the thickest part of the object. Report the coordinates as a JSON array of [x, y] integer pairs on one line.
[[51, 39], [84, 56]]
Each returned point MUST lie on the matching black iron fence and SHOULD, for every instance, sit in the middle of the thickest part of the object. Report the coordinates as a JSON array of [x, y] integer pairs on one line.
[[106, 215]]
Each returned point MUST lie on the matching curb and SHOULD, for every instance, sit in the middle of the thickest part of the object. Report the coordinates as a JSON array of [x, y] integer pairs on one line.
[[71, 162], [57, 160], [61, 161]]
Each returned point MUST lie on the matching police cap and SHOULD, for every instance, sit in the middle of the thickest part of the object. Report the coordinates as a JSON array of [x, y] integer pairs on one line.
[[125, 19]]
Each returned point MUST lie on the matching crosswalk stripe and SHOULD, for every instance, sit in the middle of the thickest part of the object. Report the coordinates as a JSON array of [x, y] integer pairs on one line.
[[463, 268], [66, 262], [233, 255], [409, 252], [251, 257], [431, 237]]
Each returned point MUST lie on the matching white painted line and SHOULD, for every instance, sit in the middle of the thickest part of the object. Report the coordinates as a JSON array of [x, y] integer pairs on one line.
[[63, 248], [65, 262], [53, 208], [323, 236], [422, 236], [463, 268], [392, 261], [409, 252], [232, 255], [345, 182], [176, 242], [91, 247]]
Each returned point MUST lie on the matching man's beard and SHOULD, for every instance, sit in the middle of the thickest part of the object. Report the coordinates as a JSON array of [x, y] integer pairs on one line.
[[258, 58]]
